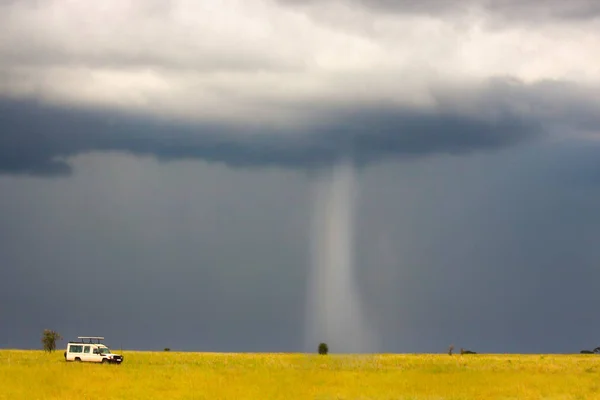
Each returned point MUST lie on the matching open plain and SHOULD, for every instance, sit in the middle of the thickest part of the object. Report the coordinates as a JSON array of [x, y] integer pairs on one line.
[[179, 375]]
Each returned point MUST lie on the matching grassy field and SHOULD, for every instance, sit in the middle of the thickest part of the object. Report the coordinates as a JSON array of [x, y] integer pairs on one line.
[[163, 375]]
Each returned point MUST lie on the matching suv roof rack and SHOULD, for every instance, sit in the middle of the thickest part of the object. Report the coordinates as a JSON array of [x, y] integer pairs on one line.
[[90, 339]]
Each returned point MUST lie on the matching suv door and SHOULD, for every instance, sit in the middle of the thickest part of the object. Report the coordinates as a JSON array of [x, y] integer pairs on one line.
[[96, 354], [87, 353]]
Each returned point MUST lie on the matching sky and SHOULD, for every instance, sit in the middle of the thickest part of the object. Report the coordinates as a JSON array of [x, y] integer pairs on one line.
[[162, 165]]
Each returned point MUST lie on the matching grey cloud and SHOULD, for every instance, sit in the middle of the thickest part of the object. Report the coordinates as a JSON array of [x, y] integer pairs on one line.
[[442, 242], [401, 6], [553, 9], [578, 165], [517, 223], [527, 10], [157, 59], [177, 245], [151, 38]]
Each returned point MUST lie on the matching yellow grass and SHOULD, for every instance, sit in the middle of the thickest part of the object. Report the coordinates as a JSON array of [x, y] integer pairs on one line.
[[162, 375]]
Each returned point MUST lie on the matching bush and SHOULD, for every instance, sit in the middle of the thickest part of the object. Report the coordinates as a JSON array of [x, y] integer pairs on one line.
[[450, 349], [49, 339], [323, 349], [167, 349]]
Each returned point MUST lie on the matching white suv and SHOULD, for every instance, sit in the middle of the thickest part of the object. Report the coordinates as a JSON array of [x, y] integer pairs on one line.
[[91, 349]]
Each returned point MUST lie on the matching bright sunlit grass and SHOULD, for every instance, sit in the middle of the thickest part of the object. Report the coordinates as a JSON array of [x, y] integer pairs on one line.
[[159, 375]]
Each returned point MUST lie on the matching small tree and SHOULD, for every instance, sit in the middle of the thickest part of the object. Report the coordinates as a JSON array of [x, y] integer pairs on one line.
[[167, 349], [323, 349], [49, 339]]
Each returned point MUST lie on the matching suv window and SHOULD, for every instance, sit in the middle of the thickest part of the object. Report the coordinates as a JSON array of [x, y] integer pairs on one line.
[[86, 349], [75, 348]]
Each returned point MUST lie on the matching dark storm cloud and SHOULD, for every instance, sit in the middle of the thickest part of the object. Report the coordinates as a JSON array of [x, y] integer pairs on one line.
[[38, 139], [527, 10]]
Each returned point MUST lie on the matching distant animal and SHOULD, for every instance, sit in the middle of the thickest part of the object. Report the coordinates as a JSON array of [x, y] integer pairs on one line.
[[586, 352], [463, 351]]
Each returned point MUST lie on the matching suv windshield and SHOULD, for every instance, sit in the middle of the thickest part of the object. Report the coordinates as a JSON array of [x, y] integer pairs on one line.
[[103, 350]]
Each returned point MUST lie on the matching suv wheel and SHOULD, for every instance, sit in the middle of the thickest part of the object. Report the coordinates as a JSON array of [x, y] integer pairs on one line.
[[77, 359]]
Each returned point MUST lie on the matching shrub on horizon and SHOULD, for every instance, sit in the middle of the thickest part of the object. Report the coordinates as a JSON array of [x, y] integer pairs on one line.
[[323, 349], [450, 349]]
